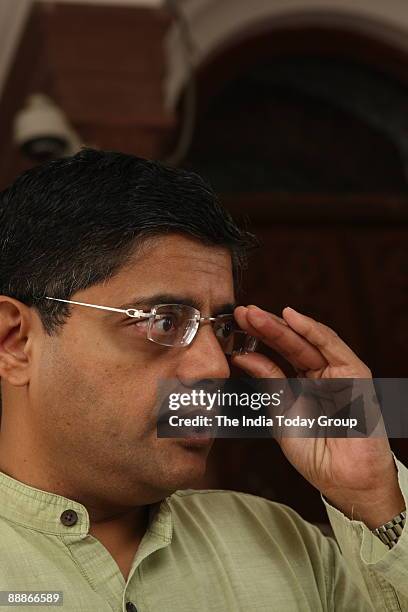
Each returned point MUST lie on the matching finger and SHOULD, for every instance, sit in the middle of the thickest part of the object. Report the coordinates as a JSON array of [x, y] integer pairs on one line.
[[257, 365], [240, 312], [325, 339], [281, 337]]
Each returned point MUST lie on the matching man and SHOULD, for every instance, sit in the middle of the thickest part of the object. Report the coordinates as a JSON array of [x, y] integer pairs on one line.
[[93, 504]]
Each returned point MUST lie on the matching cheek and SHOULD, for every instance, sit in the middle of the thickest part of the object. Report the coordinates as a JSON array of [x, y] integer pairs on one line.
[[88, 391], [109, 388]]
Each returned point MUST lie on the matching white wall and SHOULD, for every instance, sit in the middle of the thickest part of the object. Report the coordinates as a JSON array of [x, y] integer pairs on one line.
[[213, 22], [13, 14], [152, 3]]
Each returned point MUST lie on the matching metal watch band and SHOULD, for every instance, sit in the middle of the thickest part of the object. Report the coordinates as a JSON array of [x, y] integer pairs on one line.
[[391, 531]]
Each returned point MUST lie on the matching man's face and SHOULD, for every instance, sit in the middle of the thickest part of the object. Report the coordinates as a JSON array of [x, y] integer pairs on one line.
[[94, 385]]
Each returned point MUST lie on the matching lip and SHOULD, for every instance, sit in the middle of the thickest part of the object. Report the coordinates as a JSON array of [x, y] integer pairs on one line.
[[199, 431], [200, 436], [198, 442]]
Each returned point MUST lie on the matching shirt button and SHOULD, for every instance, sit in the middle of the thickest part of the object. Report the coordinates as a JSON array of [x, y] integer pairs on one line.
[[130, 607], [69, 518]]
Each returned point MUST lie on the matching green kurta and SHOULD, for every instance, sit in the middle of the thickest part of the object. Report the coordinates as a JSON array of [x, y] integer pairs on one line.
[[204, 551]]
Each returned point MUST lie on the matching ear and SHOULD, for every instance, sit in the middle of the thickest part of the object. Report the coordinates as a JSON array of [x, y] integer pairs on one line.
[[15, 321]]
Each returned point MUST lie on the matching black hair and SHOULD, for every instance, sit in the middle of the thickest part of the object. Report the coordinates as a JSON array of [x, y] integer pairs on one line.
[[71, 223]]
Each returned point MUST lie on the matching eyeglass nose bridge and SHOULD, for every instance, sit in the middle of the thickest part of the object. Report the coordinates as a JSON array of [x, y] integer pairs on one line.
[[200, 320], [250, 344], [207, 319]]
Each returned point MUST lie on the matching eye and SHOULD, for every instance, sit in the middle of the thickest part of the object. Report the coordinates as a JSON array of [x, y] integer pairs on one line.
[[164, 323], [225, 328], [163, 326]]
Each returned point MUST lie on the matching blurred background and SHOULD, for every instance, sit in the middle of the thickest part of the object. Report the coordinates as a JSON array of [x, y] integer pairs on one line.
[[295, 110]]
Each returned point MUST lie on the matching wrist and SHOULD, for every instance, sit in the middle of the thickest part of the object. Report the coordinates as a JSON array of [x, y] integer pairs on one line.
[[374, 507]]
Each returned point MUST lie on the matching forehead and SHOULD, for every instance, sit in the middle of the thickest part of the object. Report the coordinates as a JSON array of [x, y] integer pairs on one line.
[[179, 265]]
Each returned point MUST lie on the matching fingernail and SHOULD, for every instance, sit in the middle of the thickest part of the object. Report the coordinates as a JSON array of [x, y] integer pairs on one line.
[[258, 315], [254, 306], [290, 308]]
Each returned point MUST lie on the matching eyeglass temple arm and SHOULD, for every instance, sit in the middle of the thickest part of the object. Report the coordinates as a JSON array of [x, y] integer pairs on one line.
[[131, 312]]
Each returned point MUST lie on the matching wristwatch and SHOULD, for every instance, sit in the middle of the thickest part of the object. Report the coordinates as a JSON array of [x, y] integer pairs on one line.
[[391, 531]]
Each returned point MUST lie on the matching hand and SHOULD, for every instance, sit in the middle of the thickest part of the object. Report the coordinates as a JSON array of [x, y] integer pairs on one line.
[[357, 475]]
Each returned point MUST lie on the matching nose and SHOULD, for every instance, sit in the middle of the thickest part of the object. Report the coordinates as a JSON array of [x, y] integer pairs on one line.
[[203, 359]]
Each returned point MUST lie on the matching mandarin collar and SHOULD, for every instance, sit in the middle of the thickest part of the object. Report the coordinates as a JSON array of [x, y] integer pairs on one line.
[[58, 515]]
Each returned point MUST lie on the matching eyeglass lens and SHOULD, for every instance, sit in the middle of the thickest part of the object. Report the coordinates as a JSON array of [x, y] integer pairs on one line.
[[177, 324], [173, 324]]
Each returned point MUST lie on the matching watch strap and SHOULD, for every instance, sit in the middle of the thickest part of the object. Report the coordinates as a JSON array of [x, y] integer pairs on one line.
[[390, 532]]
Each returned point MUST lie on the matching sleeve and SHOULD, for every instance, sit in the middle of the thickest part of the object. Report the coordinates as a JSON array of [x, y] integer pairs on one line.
[[380, 573]]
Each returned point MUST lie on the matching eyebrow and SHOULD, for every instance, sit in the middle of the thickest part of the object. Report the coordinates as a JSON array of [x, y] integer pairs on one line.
[[171, 298]]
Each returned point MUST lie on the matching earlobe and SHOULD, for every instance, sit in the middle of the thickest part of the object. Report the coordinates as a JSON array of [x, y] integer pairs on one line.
[[14, 361]]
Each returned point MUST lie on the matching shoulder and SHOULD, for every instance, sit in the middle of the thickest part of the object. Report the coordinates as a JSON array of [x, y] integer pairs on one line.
[[224, 501], [244, 505], [232, 511]]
